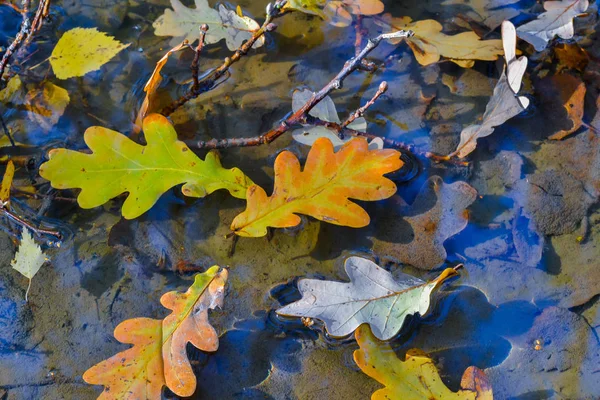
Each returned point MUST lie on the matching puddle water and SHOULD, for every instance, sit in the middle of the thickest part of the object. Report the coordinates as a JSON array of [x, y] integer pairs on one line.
[[525, 308]]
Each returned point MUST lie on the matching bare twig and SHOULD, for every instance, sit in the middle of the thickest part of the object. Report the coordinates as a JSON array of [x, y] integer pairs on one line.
[[383, 87], [25, 223], [196, 62], [274, 10], [6, 131]]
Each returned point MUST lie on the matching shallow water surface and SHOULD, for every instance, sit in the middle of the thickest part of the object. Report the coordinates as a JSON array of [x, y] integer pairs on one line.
[[524, 309]]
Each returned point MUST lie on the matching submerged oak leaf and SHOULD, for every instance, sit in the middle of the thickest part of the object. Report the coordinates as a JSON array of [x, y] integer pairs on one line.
[[118, 165], [557, 20], [322, 189], [505, 102], [337, 12], [438, 213], [183, 23], [372, 296], [429, 44], [415, 378], [158, 357]]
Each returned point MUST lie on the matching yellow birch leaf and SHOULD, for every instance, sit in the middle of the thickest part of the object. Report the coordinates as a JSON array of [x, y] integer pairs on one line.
[[9, 173], [82, 50], [118, 165], [429, 44], [29, 258], [158, 357], [322, 189], [415, 378]]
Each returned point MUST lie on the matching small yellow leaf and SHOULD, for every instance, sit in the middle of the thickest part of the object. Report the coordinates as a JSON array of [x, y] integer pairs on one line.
[[6, 183], [82, 50], [29, 258], [10, 93]]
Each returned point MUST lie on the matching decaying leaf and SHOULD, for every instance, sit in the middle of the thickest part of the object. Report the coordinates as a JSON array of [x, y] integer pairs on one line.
[[12, 92], [438, 213], [325, 110], [571, 56], [483, 8], [82, 50], [46, 104], [505, 103], [158, 357], [7, 179], [372, 296], [572, 93], [337, 12], [153, 84], [557, 20], [322, 189], [429, 44], [415, 378], [29, 258], [118, 165], [184, 23]]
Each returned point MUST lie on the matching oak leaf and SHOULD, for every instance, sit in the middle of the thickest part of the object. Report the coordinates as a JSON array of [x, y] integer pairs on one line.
[[429, 44], [322, 189], [158, 357], [118, 165], [372, 296], [184, 23], [337, 12], [572, 94], [505, 103], [82, 50], [415, 378], [557, 20]]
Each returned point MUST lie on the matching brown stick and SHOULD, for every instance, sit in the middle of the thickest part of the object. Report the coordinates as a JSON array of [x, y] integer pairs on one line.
[[196, 62], [274, 10], [28, 224], [383, 87]]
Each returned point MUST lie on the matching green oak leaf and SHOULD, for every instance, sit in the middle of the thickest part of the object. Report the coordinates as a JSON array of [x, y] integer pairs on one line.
[[118, 165]]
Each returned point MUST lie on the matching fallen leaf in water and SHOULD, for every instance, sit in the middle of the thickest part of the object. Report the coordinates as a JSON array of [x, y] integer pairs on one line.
[[46, 104], [12, 93], [415, 378], [322, 189], [337, 12], [416, 234], [571, 56], [429, 44], [118, 165], [184, 23], [158, 357], [82, 50], [29, 258], [6, 184], [572, 93], [505, 103], [325, 111], [153, 84], [557, 20], [372, 296], [482, 7]]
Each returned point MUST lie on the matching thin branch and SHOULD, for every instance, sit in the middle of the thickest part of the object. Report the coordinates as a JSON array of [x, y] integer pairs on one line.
[[23, 222], [6, 131], [196, 62], [383, 87], [274, 10]]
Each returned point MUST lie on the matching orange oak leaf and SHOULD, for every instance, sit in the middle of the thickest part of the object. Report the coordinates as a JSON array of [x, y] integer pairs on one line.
[[572, 93], [158, 357], [322, 190]]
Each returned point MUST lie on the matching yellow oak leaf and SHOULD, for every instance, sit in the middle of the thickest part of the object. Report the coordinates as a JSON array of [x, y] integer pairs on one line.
[[118, 165], [415, 378], [158, 357], [429, 44], [322, 189], [82, 50]]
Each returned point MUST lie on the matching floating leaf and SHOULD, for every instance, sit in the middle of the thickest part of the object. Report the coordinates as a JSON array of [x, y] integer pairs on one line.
[[153, 83], [429, 44], [415, 378], [338, 13], [158, 356], [504, 103], [571, 56], [29, 258], [325, 111], [572, 93], [421, 243], [322, 190], [556, 21], [82, 50], [118, 165], [7, 179], [372, 296], [184, 23]]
